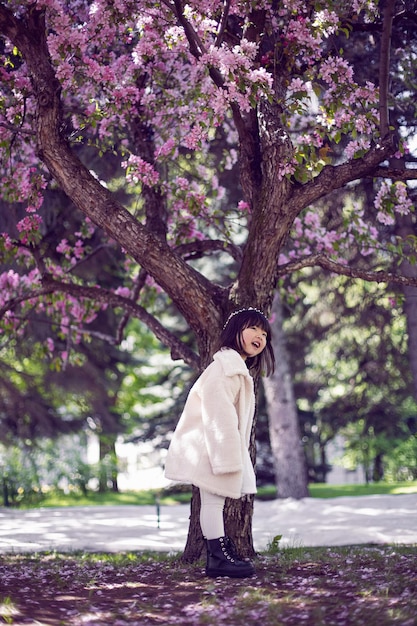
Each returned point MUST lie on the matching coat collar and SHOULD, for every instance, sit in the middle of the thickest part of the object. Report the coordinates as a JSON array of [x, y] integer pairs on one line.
[[231, 362]]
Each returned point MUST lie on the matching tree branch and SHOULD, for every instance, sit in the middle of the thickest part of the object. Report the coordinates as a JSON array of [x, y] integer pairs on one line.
[[384, 64], [223, 23], [395, 174], [110, 339], [321, 260], [96, 294], [197, 249], [11, 304], [197, 48], [22, 131], [336, 176], [178, 349], [138, 286], [376, 27]]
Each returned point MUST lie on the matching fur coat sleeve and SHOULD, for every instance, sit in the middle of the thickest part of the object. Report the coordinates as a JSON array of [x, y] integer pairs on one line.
[[210, 446]]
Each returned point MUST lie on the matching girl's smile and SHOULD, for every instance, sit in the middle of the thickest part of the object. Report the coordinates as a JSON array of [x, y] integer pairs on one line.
[[253, 341]]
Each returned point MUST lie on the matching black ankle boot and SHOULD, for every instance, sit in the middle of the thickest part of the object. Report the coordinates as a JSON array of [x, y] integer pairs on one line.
[[222, 560]]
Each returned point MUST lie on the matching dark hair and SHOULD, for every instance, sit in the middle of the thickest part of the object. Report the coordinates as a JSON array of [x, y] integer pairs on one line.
[[231, 337]]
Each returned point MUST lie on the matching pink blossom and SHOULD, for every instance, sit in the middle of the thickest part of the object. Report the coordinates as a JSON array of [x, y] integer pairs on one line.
[[123, 291], [385, 218], [139, 170], [392, 197], [9, 280], [297, 84], [182, 183], [107, 84], [357, 146], [8, 243], [50, 344], [166, 148], [63, 247], [243, 206], [79, 249], [286, 169], [335, 71]]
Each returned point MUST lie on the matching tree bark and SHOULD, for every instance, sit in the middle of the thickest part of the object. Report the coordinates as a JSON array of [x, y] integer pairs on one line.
[[284, 431], [238, 524], [195, 540], [406, 227], [108, 463]]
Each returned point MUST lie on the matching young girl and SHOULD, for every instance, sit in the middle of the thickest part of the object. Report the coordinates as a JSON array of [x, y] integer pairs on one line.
[[210, 446]]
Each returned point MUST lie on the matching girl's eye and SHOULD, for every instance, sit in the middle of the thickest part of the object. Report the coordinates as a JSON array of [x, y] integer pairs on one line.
[[264, 333]]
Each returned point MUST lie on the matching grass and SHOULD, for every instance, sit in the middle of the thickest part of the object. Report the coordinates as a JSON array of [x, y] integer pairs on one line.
[[339, 586], [368, 585], [57, 498], [170, 496], [324, 490], [335, 491]]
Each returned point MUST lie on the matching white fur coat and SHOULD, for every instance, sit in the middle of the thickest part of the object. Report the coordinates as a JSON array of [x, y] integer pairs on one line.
[[210, 445]]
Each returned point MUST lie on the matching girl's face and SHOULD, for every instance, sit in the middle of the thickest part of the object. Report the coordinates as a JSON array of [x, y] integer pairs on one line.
[[253, 340]]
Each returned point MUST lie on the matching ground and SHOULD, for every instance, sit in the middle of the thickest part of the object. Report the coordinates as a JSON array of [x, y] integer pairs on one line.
[[350, 586]]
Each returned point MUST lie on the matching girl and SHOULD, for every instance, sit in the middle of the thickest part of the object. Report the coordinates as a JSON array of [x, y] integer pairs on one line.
[[210, 446]]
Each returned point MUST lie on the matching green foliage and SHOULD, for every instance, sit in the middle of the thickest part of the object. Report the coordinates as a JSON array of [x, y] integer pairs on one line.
[[363, 446], [8, 610], [347, 343], [19, 475], [401, 463], [273, 546], [167, 497], [152, 392], [32, 470], [31, 403]]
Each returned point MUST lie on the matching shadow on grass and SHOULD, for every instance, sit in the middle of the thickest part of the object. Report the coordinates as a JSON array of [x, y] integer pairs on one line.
[[366, 585]]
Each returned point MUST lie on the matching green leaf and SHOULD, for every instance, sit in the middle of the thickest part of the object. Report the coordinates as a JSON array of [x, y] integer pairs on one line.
[[317, 89], [301, 175]]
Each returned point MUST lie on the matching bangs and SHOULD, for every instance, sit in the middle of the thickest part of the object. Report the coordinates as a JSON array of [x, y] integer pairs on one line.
[[254, 318]]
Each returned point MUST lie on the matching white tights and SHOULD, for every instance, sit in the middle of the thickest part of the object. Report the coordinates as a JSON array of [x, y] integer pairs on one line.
[[211, 515]]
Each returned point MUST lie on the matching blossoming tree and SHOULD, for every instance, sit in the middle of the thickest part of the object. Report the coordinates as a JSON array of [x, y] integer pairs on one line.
[[157, 84]]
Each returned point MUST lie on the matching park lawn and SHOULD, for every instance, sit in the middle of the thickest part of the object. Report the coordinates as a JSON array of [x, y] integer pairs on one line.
[[166, 497], [371, 585], [339, 586]]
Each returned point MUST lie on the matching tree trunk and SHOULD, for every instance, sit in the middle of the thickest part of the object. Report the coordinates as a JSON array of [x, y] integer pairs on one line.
[[378, 473], [108, 463], [195, 540], [405, 227], [238, 524], [284, 431], [6, 501]]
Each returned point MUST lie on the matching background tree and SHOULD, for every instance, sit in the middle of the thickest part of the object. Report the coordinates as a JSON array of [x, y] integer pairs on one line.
[[348, 346], [284, 427], [152, 82], [71, 362]]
